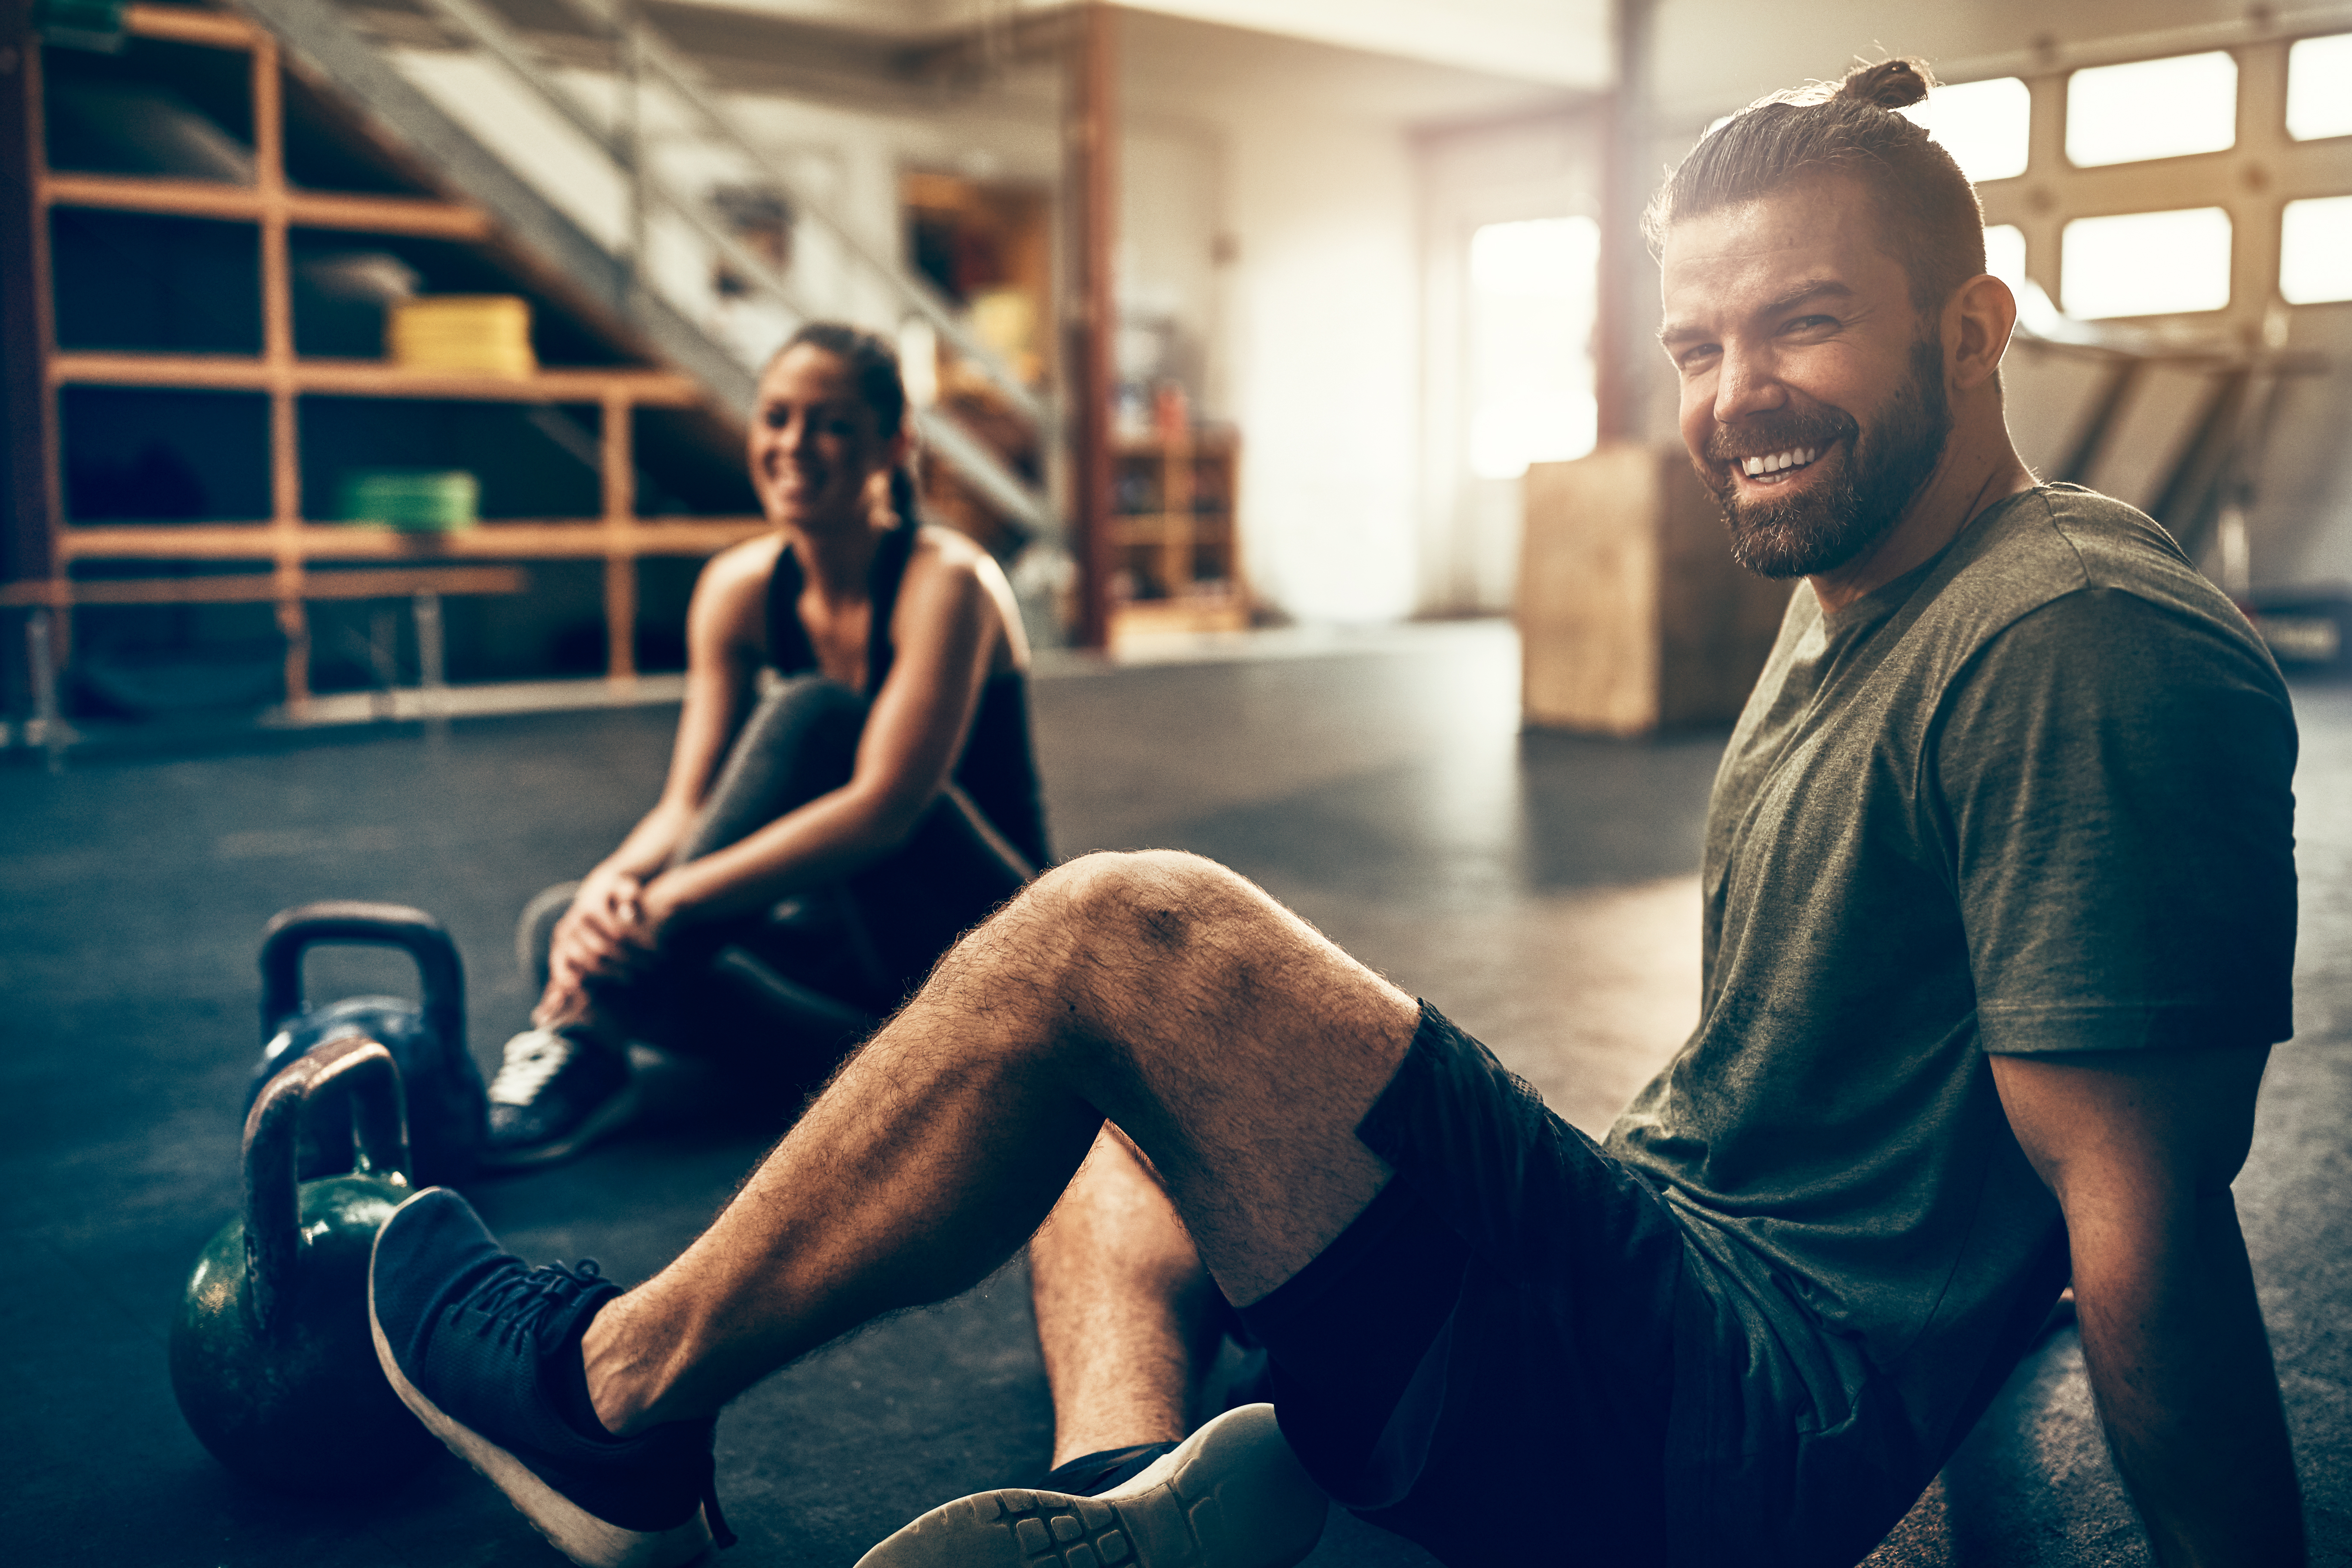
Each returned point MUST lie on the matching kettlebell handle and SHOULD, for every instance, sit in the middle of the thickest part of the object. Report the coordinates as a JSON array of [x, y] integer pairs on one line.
[[352, 1077], [293, 931]]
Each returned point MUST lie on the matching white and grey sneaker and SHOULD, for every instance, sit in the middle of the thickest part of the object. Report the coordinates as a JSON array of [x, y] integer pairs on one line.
[[1229, 1496], [558, 1092]]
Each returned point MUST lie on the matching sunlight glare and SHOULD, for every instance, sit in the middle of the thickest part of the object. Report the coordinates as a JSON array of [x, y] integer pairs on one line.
[[2315, 251], [2152, 109], [2145, 264], [2319, 88], [1982, 124]]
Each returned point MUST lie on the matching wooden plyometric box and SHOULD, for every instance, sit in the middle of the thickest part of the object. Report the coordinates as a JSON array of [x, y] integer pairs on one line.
[[1632, 616]]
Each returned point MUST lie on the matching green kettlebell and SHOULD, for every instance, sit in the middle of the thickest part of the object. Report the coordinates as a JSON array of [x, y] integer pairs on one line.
[[271, 1357]]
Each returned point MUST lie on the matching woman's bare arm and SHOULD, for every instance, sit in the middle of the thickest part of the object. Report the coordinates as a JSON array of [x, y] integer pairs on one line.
[[949, 630], [724, 639]]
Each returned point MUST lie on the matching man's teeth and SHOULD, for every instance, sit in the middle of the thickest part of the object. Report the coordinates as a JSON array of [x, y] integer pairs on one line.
[[1796, 458]]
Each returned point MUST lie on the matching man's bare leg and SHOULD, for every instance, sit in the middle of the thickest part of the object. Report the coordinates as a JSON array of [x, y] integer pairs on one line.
[[1124, 1307], [1227, 1038]]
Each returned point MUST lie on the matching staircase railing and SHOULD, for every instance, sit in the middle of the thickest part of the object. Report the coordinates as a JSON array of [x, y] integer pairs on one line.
[[683, 78], [316, 30]]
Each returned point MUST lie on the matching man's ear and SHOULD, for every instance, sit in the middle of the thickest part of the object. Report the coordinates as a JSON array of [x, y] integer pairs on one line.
[[1978, 320]]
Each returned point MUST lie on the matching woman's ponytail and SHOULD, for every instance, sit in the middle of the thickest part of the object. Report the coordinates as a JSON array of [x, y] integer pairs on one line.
[[904, 500]]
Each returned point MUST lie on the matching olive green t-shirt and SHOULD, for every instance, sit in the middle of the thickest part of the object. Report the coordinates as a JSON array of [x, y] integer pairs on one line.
[[2033, 796]]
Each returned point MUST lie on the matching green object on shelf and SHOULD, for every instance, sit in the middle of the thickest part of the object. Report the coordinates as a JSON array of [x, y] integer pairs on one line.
[[425, 500], [81, 23]]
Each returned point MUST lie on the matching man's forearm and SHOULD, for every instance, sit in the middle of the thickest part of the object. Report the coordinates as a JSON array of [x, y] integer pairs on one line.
[[2181, 1369]]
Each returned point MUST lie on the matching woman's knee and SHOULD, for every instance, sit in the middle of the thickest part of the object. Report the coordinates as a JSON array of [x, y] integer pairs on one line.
[[808, 710]]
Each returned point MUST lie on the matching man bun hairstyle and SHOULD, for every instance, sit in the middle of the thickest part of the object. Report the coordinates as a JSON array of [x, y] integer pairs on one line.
[[873, 365], [1928, 218], [1897, 83]]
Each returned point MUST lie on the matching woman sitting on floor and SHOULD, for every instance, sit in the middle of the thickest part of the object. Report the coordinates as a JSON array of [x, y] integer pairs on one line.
[[851, 788]]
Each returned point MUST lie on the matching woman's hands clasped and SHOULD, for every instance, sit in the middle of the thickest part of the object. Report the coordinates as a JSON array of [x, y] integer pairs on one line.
[[613, 928]]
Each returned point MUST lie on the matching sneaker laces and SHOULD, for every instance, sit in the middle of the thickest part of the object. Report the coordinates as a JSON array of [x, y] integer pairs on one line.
[[533, 1058], [520, 1303]]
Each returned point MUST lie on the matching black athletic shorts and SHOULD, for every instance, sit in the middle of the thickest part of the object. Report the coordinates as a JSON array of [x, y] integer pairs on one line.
[[1483, 1362]]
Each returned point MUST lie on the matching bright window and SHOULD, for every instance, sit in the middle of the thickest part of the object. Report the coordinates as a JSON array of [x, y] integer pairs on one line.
[[2145, 264], [2005, 255], [1982, 124], [1531, 306], [2315, 251], [2319, 88], [2152, 109]]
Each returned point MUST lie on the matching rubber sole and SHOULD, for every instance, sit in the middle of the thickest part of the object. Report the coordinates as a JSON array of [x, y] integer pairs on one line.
[[572, 1530], [1231, 1496]]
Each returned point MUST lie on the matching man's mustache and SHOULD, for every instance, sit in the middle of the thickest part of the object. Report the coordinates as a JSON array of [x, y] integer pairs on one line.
[[1777, 433]]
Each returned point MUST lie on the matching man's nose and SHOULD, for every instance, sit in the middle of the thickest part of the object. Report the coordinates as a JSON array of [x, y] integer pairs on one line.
[[1747, 385]]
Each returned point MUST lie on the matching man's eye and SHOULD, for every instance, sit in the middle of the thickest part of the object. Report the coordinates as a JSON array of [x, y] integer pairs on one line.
[[1811, 323]]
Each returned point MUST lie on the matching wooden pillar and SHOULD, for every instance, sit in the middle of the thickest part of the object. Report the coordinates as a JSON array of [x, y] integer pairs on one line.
[[1623, 346], [278, 355], [1091, 316], [28, 408], [619, 471]]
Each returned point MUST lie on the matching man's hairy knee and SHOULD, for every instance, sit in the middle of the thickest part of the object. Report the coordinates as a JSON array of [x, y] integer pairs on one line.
[[1159, 898]]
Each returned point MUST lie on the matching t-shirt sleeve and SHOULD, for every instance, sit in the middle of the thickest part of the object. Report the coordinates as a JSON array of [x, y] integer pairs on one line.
[[2114, 779]]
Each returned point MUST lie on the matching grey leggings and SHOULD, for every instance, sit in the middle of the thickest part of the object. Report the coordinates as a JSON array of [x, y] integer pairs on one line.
[[827, 964]]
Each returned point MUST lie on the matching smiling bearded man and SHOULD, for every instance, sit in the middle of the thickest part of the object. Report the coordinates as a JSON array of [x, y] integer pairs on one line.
[[1998, 927], [1870, 475]]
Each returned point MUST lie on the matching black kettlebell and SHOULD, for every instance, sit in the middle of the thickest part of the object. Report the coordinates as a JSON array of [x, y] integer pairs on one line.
[[273, 1360], [448, 1112]]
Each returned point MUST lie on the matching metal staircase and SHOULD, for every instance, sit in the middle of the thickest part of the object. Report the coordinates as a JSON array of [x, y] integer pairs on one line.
[[623, 230]]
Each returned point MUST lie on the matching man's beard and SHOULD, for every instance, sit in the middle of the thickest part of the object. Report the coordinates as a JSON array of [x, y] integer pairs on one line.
[[1826, 525]]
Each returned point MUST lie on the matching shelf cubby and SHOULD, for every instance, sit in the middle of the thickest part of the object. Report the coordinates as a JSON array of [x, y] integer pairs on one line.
[[154, 283], [164, 455], [1175, 543]]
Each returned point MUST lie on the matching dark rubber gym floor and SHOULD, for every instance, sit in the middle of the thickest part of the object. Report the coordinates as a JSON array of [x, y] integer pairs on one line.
[[1539, 888]]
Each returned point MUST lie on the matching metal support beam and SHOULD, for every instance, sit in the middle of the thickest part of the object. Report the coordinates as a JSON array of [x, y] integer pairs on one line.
[[1090, 220], [28, 426], [1628, 281]]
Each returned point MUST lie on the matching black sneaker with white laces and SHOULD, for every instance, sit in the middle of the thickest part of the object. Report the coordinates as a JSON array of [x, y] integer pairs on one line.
[[486, 1353], [1231, 1495], [557, 1091]]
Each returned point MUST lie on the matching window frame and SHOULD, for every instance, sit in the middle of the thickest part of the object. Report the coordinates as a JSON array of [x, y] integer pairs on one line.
[[2252, 181]]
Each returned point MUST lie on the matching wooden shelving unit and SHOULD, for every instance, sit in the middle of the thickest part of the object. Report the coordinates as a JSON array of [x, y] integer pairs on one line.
[[1175, 543], [288, 544]]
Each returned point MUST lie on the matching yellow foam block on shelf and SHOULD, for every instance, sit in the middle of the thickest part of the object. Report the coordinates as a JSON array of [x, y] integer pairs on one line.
[[485, 332]]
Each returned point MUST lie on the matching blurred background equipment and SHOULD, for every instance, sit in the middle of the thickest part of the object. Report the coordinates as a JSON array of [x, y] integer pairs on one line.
[[1632, 616], [424, 501], [487, 333], [1395, 259]]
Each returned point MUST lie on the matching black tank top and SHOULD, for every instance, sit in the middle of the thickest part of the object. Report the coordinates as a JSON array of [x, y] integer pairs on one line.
[[998, 768]]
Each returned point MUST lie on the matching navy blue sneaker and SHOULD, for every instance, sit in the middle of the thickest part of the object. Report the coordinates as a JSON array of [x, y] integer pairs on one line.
[[486, 1353], [1229, 1496]]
